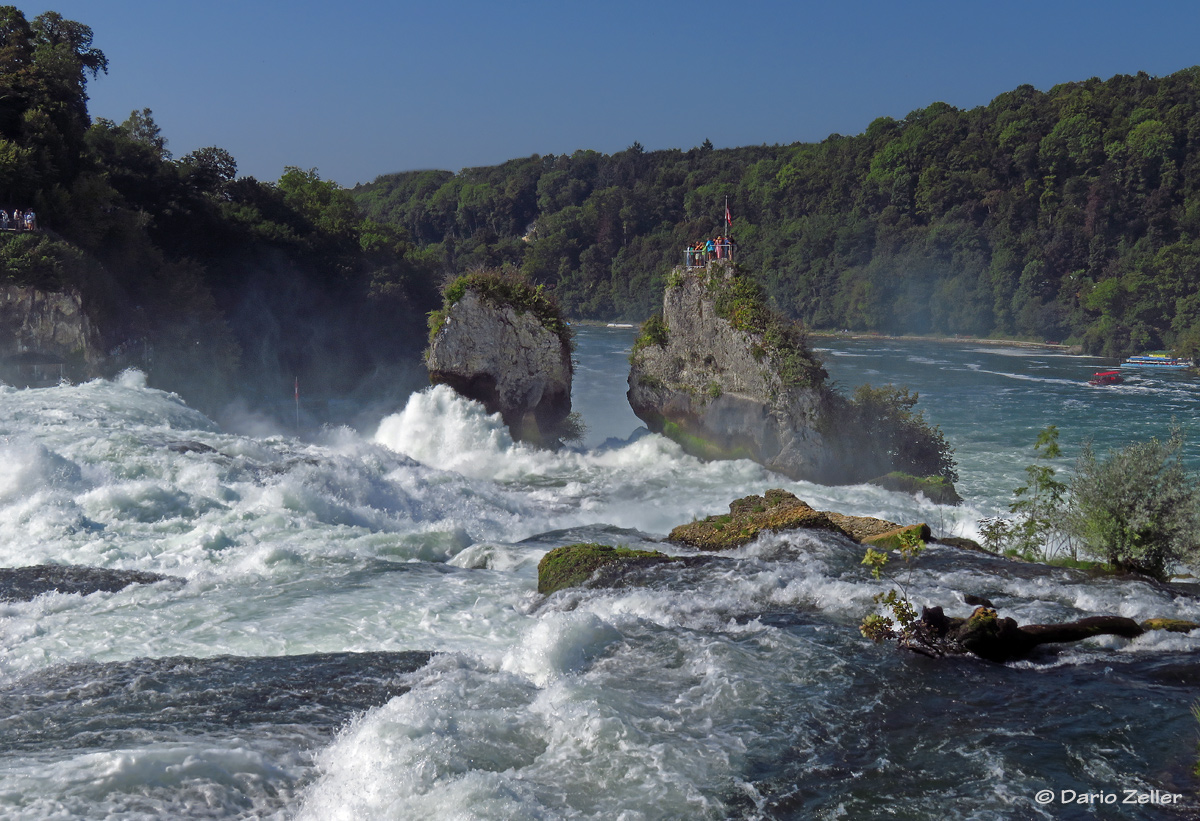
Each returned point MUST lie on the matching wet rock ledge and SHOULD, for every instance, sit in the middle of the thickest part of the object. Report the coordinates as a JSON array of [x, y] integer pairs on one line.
[[27, 583]]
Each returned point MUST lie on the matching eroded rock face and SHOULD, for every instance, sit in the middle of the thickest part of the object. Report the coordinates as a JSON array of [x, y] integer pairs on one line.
[[507, 360], [42, 328], [718, 391]]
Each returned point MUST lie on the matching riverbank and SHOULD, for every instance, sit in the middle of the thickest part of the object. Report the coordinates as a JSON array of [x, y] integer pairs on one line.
[[1073, 350]]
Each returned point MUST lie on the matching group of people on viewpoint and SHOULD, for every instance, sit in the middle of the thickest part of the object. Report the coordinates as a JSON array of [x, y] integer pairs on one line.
[[18, 220], [718, 247]]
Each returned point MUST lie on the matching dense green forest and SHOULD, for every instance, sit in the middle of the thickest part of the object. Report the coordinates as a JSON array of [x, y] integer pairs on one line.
[[1072, 214], [219, 281]]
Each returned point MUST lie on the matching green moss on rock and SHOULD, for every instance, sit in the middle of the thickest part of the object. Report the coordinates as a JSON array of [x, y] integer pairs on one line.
[[780, 510], [653, 332], [503, 289], [742, 302], [749, 516], [1172, 625], [937, 489], [573, 564], [893, 539]]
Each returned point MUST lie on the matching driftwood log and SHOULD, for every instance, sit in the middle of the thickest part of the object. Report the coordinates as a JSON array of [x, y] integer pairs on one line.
[[986, 635]]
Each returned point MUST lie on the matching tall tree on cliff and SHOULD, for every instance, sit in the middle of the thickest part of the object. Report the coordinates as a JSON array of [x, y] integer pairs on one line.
[[44, 68]]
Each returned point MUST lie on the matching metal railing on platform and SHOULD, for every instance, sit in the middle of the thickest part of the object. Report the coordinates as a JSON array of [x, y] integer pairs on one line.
[[698, 258]]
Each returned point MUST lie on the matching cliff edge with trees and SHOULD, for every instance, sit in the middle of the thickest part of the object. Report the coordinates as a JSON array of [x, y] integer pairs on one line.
[[207, 280]]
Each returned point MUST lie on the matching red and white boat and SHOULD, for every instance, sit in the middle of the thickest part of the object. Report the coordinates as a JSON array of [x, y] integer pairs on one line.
[[1106, 378]]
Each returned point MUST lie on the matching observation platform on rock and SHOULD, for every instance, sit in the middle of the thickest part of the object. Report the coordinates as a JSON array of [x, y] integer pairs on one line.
[[724, 251]]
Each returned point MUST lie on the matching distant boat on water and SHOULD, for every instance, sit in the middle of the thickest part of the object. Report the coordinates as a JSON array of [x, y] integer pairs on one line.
[[1159, 360], [619, 325]]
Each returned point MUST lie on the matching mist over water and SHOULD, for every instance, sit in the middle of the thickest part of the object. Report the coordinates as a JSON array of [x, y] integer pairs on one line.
[[354, 629]]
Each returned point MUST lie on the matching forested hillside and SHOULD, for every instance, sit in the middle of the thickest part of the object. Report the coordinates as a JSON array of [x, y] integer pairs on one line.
[[211, 281], [1072, 214]]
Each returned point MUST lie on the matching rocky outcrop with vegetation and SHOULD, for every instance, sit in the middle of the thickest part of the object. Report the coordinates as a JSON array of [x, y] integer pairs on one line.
[[501, 341], [725, 377], [778, 510]]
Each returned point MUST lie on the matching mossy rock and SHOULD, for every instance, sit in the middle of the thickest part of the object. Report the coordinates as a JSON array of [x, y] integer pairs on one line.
[[861, 528], [504, 289], [573, 564], [893, 539], [749, 516], [1172, 625], [937, 489]]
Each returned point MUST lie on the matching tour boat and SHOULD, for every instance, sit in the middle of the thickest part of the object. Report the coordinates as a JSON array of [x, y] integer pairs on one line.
[[1106, 378], [1160, 360]]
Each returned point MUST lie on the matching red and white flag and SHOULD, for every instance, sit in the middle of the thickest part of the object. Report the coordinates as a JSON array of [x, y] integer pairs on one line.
[[728, 218]]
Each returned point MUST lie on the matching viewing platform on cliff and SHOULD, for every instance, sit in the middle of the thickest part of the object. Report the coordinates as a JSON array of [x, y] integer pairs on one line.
[[721, 249]]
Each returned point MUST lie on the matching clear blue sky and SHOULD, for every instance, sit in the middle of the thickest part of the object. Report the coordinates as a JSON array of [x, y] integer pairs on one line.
[[359, 88]]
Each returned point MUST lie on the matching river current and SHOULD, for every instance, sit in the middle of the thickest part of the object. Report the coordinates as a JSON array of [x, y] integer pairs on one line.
[[349, 626]]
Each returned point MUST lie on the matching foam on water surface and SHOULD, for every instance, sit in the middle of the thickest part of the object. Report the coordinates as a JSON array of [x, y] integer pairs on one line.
[[737, 687]]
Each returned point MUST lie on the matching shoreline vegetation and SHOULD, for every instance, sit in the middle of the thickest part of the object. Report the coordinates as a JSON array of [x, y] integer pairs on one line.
[[1073, 350]]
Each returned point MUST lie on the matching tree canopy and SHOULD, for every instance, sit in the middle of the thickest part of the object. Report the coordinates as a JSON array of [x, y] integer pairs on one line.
[[222, 277], [1071, 214]]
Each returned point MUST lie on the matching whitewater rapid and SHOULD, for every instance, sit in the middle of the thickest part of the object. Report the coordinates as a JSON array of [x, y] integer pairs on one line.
[[352, 630]]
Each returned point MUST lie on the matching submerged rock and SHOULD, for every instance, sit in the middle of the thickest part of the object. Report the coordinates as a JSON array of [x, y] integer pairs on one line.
[[780, 510], [727, 378], [27, 583], [574, 564], [501, 342]]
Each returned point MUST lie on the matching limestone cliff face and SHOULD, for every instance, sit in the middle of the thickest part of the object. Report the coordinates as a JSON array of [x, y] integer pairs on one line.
[[39, 326], [507, 359], [721, 392]]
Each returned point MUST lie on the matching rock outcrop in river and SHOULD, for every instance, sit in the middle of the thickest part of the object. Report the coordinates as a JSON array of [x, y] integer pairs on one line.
[[778, 510], [709, 374], [726, 377], [502, 342]]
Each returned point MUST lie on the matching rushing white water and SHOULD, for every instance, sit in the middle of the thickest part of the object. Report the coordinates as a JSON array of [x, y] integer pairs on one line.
[[282, 671]]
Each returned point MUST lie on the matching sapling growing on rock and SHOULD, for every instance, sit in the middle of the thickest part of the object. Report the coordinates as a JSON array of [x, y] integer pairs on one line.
[[900, 621]]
